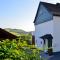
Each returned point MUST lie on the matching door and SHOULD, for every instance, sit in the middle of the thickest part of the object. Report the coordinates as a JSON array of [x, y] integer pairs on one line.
[[50, 50], [47, 43]]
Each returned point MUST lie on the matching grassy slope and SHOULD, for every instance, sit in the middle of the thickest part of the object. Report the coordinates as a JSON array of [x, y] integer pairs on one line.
[[16, 31]]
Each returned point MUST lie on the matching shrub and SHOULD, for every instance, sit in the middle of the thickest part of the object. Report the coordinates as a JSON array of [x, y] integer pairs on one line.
[[17, 50]]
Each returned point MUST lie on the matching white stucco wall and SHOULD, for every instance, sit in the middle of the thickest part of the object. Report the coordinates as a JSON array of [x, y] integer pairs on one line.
[[56, 36], [50, 27], [42, 29]]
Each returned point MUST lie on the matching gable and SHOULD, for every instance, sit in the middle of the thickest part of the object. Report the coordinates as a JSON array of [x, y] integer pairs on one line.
[[43, 15]]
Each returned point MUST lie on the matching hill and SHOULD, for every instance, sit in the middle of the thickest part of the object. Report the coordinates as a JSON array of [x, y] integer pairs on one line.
[[16, 31]]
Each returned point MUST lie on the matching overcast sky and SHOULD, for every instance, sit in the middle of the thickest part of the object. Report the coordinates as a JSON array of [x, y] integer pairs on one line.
[[19, 14]]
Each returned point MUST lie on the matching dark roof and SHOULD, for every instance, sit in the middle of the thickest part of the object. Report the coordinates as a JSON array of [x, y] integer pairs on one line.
[[6, 35], [53, 8], [47, 36]]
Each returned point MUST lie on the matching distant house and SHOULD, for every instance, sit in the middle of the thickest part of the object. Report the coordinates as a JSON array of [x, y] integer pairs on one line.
[[6, 35], [47, 27]]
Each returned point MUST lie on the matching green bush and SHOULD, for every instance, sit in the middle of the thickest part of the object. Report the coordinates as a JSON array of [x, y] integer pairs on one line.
[[17, 50]]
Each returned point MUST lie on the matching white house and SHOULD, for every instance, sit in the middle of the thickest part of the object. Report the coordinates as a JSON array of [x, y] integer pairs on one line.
[[47, 27]]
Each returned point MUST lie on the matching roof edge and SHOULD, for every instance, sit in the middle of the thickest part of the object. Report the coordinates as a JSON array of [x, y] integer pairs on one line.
[[41, 2]]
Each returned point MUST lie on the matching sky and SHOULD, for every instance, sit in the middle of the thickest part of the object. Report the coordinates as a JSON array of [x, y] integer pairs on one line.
[[19, 14]]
